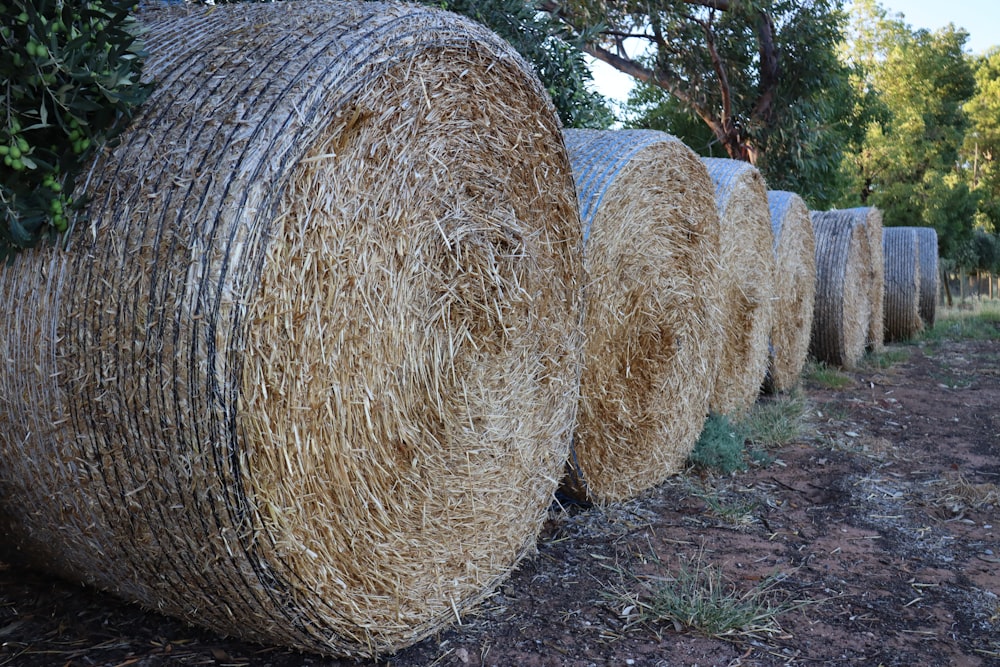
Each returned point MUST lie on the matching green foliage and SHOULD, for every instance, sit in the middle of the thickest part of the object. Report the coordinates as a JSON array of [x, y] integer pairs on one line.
[[981, 149], [720, 446], [551, 49], [790, 121], [71, 73], [907, 162]]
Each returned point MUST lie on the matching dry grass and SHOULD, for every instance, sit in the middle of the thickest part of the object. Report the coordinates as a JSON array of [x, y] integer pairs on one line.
[[651, 322], [746, 291], [794, 290], [311, 377]]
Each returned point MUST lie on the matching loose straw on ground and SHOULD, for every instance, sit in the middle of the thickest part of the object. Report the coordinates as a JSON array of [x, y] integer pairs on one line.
[[746, 283], [308, 374], [651, 315], [843, 295], [794, 289], [901, 254]]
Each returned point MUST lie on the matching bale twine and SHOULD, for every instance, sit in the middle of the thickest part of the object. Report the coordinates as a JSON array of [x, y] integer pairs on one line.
[[651, 322], [746, 283], [794, 289], [842, 302], [930, 278], [901, 254], [309, 374]]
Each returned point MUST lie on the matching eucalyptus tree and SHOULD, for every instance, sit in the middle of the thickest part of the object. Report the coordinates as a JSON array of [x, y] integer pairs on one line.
[[981, 149], [754, 80], [908, 162]]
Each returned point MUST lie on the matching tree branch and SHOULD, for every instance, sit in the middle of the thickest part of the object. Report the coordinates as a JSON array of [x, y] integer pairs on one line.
[[769, 67], [656, 78]]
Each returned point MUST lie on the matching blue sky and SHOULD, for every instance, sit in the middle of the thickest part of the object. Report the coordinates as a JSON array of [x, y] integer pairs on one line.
[[980, 18]]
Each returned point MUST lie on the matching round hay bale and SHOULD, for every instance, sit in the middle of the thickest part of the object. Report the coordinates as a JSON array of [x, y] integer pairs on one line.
[[901, 254], [651, 237], [930, 278], [309, 374], [746, 283], [842, 302], [794, 289], [870, 219]]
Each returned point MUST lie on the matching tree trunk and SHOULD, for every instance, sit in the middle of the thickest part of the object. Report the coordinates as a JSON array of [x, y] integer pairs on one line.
[[947, 287]]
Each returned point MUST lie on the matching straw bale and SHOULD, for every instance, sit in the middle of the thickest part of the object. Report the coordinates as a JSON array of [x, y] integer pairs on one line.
[[900, 250], [794, 289], [930, 278], [651, 324], [309, 377], [870, 219], [746, 283], [843, 297]]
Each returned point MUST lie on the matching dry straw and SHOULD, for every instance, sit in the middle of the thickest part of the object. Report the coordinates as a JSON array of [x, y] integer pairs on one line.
[[794, 289], [930, 279], [651, 316], [870, 219], [843, 295], [309, 374], [901, 253], [745, 291]]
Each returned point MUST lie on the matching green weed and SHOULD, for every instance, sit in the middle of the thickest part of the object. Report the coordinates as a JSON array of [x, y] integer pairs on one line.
[[720, 446], [699, 597]]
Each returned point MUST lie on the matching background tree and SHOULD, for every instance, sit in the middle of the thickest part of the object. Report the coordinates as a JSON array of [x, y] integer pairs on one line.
[[981, 150], [907, 162], [756, 80]]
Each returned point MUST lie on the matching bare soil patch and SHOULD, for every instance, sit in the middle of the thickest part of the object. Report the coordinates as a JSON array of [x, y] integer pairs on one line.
[[879, 532]]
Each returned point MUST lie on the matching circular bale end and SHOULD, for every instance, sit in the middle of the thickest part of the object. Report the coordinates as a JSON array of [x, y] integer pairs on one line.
[[794, 289], [311, 379], [843, 295], [746, 283], [900, 250], [651, 324]]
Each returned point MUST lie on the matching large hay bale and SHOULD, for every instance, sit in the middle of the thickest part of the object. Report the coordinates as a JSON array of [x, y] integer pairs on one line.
[[930, 278], [870, 220], [843, 296], [794, 289], [746, 283], [901, 254], [309, 374], [651, 321]]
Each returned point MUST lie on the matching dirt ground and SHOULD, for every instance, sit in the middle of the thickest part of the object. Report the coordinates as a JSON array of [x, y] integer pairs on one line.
[[872, 540]]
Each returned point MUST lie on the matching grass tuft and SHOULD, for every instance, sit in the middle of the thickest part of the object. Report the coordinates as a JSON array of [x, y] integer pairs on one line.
[[698, 597], [779, 420], [818, 373]]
